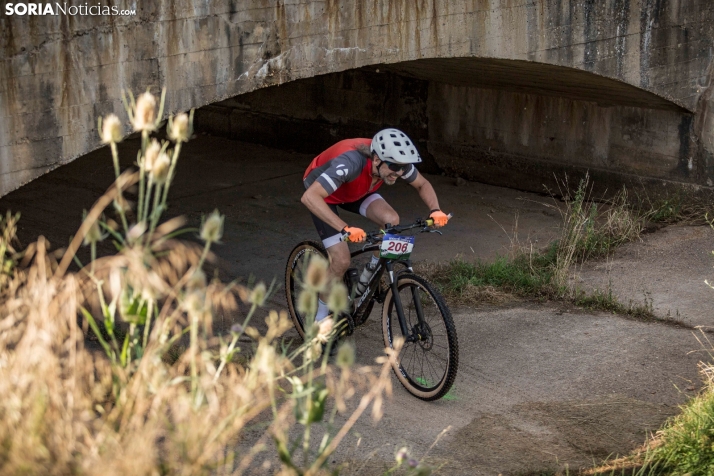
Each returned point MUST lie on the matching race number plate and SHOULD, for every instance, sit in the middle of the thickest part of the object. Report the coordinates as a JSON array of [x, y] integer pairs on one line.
[[396, 246]]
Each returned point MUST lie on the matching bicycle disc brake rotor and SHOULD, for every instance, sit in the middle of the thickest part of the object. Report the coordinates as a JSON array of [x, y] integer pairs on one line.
[[422, 335]]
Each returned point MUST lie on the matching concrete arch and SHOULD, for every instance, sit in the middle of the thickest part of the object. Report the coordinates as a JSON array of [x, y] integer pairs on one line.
[[60, 73]]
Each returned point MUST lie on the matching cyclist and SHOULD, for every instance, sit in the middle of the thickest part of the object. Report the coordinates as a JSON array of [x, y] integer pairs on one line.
[[347, 175]]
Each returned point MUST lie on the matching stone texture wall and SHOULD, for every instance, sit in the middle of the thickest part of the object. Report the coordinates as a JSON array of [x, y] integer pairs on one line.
[[522, 140], [60, 73], [490, 135]]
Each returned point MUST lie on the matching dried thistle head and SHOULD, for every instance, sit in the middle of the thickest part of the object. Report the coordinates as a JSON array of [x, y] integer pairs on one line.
[[151, 155], [194, 303], [307, 303], [316, 275], [179, 129], [196, 281], [258, 294], [345, 355], [160, 169], [145, 113], [111, 130], [337, 301], [212, 227]]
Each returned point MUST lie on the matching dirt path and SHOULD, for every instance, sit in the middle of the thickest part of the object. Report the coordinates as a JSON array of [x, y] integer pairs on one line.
[[667, 269], [539, 386]]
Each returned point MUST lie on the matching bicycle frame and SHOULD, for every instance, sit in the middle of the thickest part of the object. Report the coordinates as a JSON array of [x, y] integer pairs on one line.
[[383, 265]]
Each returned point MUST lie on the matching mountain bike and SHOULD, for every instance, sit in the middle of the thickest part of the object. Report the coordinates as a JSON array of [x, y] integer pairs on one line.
[[411, 308]]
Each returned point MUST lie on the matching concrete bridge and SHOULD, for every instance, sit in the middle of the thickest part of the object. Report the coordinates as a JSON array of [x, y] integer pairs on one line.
[[502, 91]]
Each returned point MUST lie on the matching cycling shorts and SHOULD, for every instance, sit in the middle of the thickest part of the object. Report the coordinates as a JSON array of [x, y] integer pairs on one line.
[[330, 236]]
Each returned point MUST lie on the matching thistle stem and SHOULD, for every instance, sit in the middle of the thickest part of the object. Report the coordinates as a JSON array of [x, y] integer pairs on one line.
[[147, 198], [142, 172], [234, 341], [155, 213], [194, 352], [170, 177], [147, 325]]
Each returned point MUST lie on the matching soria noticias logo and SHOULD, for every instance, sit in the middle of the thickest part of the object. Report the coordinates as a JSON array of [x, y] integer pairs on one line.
[[88, 9]]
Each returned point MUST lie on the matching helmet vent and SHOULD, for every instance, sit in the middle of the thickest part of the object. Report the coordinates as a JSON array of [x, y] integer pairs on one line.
[[402, 152], [407, 143], [398, 144], [393, 136]]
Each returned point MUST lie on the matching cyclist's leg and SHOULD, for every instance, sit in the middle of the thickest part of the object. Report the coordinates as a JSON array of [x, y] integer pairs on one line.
[[337, 251], [374, 207]]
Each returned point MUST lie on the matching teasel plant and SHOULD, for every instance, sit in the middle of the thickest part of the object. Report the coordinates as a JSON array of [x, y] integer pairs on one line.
[[166, 394]]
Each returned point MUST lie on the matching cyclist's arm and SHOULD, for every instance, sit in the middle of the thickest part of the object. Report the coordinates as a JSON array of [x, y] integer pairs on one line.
[[426, 191], [314, 200]]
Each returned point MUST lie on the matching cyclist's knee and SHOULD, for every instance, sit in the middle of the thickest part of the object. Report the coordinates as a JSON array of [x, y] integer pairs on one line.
[[392, 218], [339, 261]]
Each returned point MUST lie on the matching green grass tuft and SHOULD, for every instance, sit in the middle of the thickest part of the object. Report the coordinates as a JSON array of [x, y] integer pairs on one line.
[[687, 441], [524, 274]]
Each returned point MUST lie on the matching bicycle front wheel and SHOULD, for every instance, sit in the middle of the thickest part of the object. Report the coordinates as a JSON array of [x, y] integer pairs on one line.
[[428, 361]]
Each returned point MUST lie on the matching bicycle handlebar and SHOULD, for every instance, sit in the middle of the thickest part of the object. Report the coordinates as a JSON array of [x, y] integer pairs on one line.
[[376, 236]]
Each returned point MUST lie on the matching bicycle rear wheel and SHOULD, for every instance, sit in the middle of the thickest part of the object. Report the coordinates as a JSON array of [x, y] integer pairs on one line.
[[426, 365], [294, 272]]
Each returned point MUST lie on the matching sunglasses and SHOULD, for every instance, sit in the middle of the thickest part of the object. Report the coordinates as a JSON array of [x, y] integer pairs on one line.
[[397, 167]]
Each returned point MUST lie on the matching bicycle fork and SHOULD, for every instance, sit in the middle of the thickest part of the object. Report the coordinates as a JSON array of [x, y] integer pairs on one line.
[[420, 329]]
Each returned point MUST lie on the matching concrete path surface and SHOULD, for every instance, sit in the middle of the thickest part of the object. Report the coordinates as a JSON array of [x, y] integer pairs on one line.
[[539, 385], [667, 269]]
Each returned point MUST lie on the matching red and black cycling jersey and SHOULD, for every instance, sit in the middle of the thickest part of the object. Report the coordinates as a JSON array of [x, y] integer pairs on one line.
[[345, 173]]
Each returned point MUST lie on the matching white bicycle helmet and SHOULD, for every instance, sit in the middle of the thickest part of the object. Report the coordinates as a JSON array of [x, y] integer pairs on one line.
[[392, 145]]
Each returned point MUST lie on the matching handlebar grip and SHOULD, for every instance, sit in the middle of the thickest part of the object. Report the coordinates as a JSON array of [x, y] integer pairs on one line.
[[430, 222]]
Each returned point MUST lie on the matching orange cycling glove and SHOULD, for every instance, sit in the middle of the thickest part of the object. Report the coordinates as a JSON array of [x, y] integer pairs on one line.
[[353, 234], [440, 218]]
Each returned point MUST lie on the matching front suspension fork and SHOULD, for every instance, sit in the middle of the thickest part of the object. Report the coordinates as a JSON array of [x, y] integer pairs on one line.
[[398, 302]]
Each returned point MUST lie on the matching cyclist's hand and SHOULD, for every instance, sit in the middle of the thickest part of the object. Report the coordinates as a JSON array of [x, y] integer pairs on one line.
[[353, 234], [440, 218]]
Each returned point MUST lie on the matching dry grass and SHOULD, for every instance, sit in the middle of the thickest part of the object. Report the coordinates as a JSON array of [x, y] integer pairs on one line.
[[165, 394], [66, 410], [590, 229]]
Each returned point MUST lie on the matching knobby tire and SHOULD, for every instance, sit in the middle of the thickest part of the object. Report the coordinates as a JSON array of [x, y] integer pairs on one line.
[[414, 381]]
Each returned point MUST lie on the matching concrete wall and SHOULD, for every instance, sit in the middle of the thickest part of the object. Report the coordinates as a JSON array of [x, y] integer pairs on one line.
[[490, 135], [522, 140], [60, 73]]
